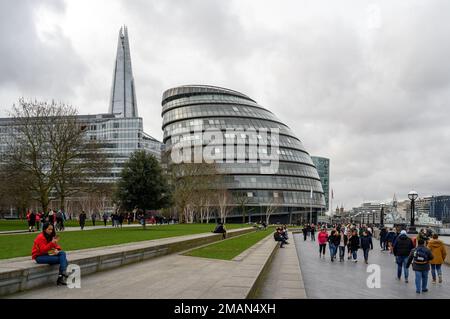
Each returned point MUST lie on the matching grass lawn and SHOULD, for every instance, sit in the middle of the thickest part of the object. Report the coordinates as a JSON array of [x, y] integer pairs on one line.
[[20, 245], [230, 248], [6, 225]]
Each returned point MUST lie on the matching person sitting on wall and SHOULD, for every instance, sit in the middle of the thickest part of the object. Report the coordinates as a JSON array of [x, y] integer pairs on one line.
[[47, 251], [220, 229], [278, 236]]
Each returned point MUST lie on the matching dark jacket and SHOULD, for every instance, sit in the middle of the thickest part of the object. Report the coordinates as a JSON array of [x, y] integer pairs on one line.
[[383, 234], [403, 246], [334, 239], [366, 242], [354, 243], [420, 258], [390, 237]]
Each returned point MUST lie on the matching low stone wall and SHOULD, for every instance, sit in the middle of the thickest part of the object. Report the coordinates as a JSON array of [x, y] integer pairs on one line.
[[20, 274]]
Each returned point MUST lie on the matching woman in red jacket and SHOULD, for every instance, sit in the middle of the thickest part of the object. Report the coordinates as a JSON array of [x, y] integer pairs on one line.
[[47, 251], [323, 239]]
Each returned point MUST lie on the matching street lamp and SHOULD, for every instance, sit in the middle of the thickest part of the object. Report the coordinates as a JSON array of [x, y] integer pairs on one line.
[[412, 196], [373, 217], [382, 215]]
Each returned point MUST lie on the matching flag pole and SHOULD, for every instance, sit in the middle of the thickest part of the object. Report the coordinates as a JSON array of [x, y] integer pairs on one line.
[[310, 210]]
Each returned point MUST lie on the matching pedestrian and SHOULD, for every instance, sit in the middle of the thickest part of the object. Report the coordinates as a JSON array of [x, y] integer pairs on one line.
[[94, 218], [354, 245], [383, 234], [105, 218], [305, 232], [47, 251], [333, 243], [38, 221], [82, 219], [420, 258], [323, 239], [220, 229], [349, 249], [439, 252], [120, 219], [343, 239], [422, 235], [402, 249], [31, 221], [366, 245], [390, 238], [313, 232]]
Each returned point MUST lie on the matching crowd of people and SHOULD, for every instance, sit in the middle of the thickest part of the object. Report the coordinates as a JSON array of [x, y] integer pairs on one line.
[[424, 252]]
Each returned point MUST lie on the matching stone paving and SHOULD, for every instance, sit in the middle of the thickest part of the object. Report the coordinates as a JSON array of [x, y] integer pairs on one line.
[[347, 280], [284, 278], [169, 277]]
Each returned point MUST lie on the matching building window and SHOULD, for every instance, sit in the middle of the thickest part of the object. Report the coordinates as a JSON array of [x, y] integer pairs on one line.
[[116, 125], [115, 135]]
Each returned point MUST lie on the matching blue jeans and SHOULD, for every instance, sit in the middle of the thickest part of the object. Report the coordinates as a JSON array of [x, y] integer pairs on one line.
[[401, 263], [355, 254], [366, 254], [333, 250], [421, 280], [54, 260], [434, 269]]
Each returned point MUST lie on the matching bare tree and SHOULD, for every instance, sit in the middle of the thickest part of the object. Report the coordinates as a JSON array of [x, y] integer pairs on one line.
[[224, 204], [49, 145], [273, 206], [241, 199]]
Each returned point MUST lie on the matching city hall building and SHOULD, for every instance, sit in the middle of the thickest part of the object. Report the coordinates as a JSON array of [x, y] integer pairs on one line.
[[295, 187]]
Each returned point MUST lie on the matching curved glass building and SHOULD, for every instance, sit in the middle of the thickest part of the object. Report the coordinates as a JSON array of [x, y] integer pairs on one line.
[[292, 185]]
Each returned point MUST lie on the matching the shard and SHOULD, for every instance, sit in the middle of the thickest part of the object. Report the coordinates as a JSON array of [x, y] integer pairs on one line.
[[123, 92]]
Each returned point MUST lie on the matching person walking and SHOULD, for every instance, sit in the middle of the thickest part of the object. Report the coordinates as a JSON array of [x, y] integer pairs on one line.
[[349, 249], [94, 218], [383, 234], [366, 245], [420, 258], [278, 236], [105, 218], [313, 232], [354, 243], [31, 221], [82, 219], [402, 249], [47, 251], [323, 239], [334, 239], [439, 252], [390, 238], [305, 232], [343, 239]]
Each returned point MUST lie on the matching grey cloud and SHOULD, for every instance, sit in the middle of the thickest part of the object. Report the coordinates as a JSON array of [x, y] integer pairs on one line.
[[36, 68]]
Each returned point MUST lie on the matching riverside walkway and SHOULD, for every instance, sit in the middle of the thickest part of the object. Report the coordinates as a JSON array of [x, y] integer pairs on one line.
[[347, 280]]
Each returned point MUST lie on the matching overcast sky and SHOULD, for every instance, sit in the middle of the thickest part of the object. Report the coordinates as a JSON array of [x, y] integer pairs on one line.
[[365, 83]]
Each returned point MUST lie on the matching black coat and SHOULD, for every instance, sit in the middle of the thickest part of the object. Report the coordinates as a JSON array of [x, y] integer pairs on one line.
[[366, 242], [403, 246], [354, 243]]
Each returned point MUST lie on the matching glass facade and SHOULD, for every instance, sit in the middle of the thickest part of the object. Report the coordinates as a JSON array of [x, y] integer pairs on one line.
[[440, 208], [189, 111], [118, 136], [323, 168]]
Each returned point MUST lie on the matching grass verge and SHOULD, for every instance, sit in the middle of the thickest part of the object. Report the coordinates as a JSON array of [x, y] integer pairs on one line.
[[230, 248], [20, 245]]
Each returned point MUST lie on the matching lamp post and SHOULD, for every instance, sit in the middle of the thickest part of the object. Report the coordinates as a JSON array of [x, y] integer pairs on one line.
[[412, 196], [382, 215], [373, 217]]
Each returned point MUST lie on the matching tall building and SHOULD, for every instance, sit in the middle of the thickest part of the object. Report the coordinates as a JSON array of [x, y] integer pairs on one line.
[[440, 208], [120, 132], [123, 91], [323, 168], [190, 111]]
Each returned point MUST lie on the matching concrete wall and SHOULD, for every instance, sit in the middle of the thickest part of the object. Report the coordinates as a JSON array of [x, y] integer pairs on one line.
[[23, 274]]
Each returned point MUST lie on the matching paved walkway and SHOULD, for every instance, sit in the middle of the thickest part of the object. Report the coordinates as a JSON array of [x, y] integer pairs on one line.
[[77, 228], [284, 279], [347, 280], [168, 277]]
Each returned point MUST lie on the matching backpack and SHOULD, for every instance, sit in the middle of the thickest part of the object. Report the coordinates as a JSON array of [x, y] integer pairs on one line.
[[420, 256]]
